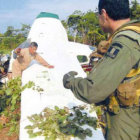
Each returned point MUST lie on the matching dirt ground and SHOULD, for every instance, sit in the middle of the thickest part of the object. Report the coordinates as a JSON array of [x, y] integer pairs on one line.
[[3, 135], [4, 131]]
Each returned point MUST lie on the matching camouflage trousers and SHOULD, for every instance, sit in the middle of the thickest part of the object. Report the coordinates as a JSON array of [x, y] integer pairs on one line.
[[125, 125]]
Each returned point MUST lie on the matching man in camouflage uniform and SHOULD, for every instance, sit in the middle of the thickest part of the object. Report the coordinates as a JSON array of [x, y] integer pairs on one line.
[[115, 80]]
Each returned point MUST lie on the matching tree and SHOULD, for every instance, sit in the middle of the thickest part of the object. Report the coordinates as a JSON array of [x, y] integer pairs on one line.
[[89, 24], [25, 30], [84, 27], [9, 32], [13, 37], [65, 24], [73, 23], [135, 10]]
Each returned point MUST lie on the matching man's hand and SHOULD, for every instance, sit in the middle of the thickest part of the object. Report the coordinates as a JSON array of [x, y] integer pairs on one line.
[[50, 66], [17, 51], [67, 77]]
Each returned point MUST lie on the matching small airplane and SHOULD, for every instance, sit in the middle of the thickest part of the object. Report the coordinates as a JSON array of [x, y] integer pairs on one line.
[[53, 45]]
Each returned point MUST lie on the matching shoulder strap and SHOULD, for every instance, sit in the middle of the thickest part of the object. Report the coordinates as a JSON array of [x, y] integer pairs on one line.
[[132, 27], [127, 30], [134, 71]]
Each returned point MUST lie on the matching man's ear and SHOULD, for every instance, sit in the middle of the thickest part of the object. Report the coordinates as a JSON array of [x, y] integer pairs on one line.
[[104, 15]]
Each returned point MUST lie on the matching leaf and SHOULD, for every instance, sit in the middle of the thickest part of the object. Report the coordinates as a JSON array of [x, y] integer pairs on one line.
[[15, 96], [12, 128], [38, 133], [88, 132], [8, 91], [28, 127], [73, 130], [30, 131], [1, 92], [32, 135]]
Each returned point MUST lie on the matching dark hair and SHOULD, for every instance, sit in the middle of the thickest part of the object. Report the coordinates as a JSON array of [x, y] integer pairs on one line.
[[116, 9], [34, 44]]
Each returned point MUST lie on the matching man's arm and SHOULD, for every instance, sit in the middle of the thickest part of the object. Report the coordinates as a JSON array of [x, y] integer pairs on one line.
[[42, 61], [16, 53], [108, 74], [25, 44]]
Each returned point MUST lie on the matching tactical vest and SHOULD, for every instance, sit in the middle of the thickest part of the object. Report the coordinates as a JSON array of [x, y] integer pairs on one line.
[[127, 94]]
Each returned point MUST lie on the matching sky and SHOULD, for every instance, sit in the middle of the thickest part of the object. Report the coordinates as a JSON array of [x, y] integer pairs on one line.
[[17, 12]]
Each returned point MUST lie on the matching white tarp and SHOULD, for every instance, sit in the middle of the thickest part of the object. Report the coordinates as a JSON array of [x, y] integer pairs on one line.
[[57, 50]]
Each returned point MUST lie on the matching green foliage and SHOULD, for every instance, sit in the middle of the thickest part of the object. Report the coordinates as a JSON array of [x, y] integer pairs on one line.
[[84, 27], [10, 97], [25, 30], [60, 124], [38, 88], [135, 10], [13, 37], [96, 108], [9, 31], [64, 24], [12, 91]]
